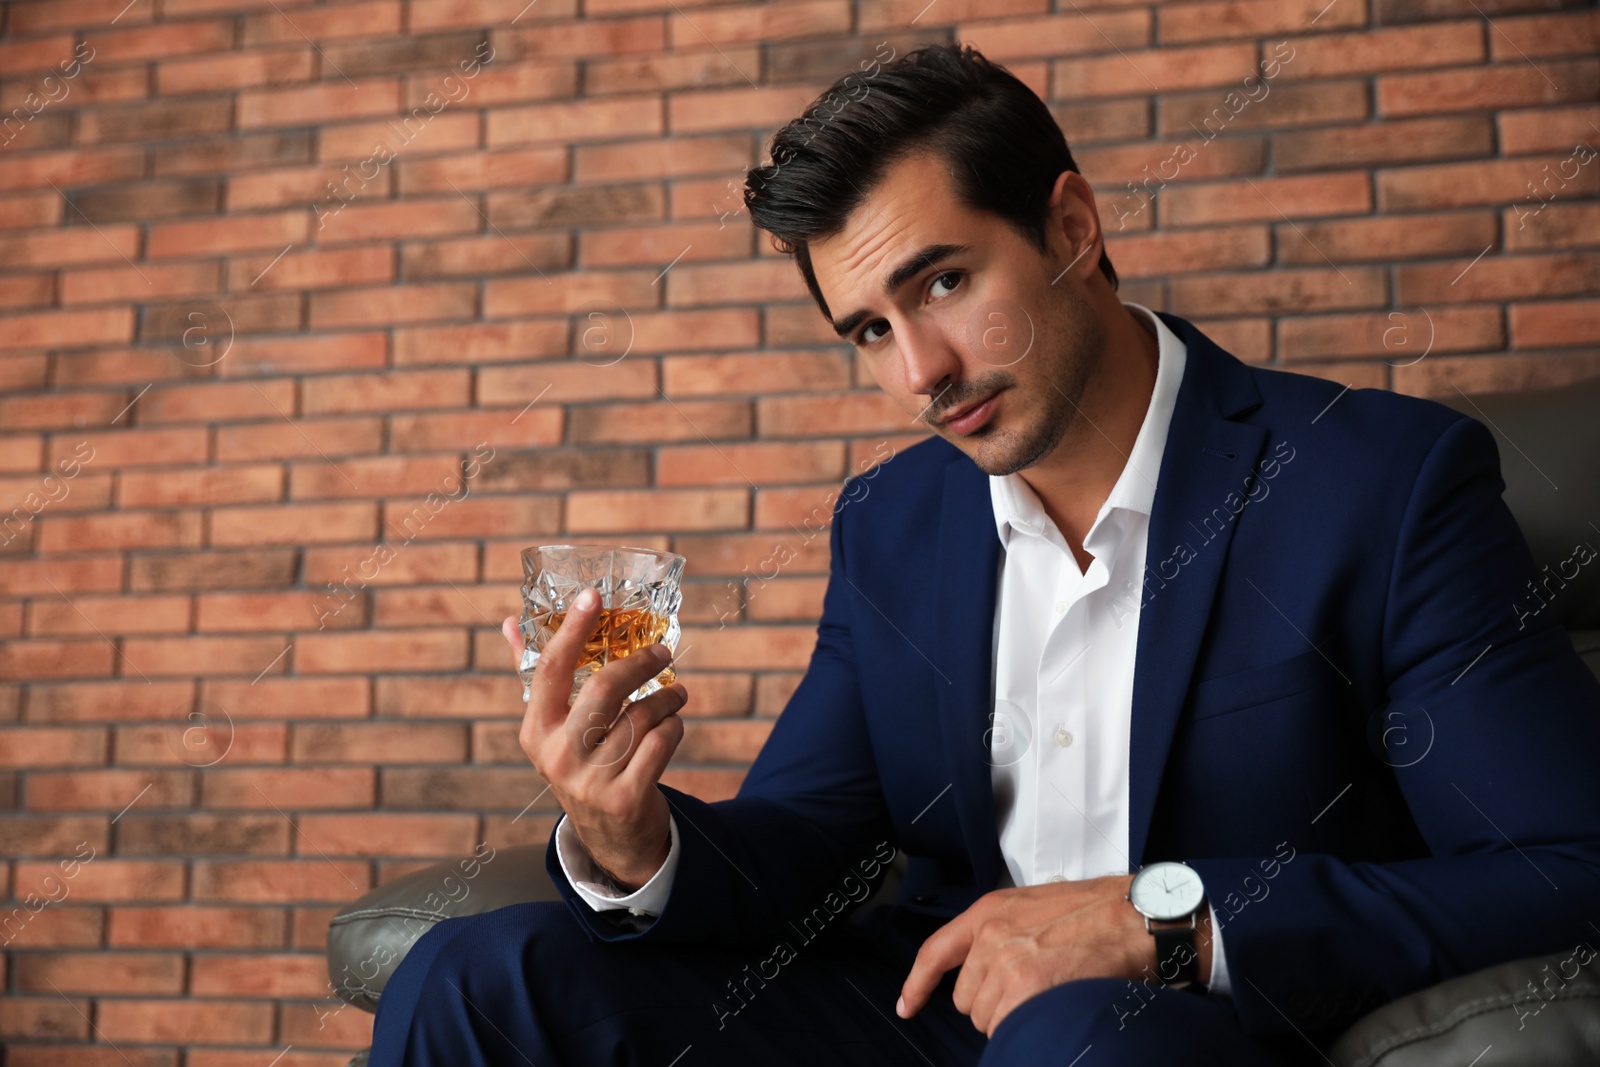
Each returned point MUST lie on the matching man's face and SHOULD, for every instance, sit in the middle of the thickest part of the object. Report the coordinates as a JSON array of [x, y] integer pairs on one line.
[[964, 324]]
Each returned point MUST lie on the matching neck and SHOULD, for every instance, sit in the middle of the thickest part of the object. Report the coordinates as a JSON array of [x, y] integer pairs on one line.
[[1076, 478]]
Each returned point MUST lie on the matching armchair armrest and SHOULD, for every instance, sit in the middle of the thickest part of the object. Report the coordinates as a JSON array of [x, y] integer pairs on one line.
[[1543, 1010], [368, 938]]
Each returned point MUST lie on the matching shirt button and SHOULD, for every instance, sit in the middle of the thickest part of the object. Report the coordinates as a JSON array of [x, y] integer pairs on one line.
[[1063, 737], [1061, 607], [1057, 878]]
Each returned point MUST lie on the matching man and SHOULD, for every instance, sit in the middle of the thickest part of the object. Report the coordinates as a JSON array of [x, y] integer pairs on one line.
[[1193, 692]]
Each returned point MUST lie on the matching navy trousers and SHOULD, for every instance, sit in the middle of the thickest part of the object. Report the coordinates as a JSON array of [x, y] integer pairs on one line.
[[526, 985]]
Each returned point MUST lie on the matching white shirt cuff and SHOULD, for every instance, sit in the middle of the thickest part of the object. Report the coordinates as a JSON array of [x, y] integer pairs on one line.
[[1219, 983], [596, 889]]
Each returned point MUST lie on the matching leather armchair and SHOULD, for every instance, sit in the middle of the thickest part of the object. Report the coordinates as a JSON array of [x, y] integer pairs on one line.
[[1536, 1012]]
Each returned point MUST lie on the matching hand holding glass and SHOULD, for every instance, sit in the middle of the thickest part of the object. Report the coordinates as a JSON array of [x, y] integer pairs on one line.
[[601, 752]]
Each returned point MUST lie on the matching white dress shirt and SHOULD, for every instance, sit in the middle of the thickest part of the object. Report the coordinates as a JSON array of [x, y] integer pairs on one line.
[[1059, 736]]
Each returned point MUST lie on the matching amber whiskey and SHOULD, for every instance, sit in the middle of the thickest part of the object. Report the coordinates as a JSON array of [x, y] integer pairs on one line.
[[618, 633]]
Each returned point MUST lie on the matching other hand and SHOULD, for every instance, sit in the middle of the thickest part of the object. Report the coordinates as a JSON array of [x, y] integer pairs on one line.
[[1014, 943]]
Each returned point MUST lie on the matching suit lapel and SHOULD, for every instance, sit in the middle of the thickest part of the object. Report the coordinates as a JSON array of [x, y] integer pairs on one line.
[[1207, 456], [968, 583]]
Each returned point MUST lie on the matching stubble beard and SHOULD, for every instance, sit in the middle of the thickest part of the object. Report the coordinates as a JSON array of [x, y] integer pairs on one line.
[[1075, 342]]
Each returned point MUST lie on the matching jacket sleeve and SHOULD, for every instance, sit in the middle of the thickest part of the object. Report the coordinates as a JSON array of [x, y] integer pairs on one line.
[[1506, 796], [808, 830]]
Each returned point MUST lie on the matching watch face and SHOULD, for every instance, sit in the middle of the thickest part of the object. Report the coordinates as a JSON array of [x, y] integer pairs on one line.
[[1166, 891]]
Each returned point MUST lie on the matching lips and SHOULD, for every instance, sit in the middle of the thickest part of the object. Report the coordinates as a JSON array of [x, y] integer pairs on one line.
[[969, 409]]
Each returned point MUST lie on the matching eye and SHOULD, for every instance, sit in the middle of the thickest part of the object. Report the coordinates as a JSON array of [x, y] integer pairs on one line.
[[862, 336], [947, 274]]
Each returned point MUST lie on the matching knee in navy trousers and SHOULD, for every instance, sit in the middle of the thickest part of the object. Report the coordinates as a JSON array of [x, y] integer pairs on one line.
[[526, 985], [1096, 1022]]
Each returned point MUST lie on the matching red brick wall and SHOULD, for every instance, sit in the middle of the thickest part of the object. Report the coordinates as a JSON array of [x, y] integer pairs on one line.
[[239, 345]]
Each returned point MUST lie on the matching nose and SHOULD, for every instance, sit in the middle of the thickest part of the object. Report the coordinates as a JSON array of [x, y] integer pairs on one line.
[[931, 364]]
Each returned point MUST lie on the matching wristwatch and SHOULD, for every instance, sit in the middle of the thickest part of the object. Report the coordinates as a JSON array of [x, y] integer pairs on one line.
[[1171, 894]]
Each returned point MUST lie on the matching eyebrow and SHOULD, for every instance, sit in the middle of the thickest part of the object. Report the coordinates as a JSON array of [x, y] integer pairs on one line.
[[921, 261]]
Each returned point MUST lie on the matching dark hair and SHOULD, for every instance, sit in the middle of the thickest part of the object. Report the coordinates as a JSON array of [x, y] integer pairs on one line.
[[1003, 145]]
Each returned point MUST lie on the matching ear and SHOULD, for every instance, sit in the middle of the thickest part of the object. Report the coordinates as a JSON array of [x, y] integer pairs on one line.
[[1073, 226]]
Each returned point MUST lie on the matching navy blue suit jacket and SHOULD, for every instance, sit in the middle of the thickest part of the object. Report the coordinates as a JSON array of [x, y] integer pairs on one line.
[[1384, 776]]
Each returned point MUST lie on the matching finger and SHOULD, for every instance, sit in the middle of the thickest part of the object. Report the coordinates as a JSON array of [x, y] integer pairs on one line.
[[656, 745], [598, 713], [1006, 1006], [512, 633], [985, 997], [552, 677], [608, 688], [947, 947], [641, 717], [654, 709], [969, 983], [599, 739]]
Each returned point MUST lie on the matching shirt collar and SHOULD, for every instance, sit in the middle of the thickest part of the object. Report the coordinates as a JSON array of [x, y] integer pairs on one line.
[[1017, 507]]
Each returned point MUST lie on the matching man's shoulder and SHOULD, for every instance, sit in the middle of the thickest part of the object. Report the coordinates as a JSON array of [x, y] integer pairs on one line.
[[1297, 402], [906, 485], [1365, 429], [913, 466], [1290, 387]]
